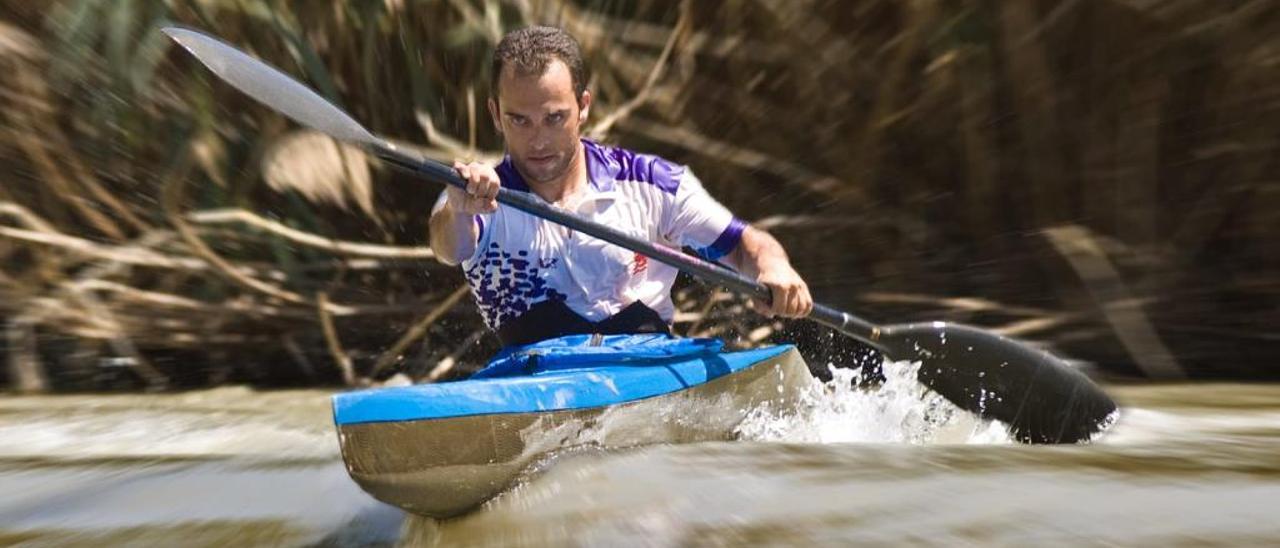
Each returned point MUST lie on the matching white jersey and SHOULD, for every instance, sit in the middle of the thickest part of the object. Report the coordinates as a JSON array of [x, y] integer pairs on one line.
[[521, 260]]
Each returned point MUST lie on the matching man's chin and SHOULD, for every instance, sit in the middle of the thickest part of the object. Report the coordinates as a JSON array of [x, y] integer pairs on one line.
[[540, 176]]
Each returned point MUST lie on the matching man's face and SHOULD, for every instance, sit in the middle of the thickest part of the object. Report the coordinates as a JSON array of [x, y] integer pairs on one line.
[[541, 121]]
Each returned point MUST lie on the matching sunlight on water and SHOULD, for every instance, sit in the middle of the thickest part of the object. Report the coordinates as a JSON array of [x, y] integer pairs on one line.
[[1149, 426], [221, 467], [885, 465], [901, 410], [150, 434], [217, 423], [897, 465]]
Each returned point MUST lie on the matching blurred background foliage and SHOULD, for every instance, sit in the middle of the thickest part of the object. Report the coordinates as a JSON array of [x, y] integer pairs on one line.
[[1096, 175]]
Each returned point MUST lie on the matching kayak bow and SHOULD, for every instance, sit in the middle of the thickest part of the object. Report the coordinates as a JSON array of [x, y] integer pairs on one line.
[[442, 449]]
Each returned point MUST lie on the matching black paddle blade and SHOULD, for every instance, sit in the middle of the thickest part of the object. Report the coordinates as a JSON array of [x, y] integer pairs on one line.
[[825, 349], [1042, 398]]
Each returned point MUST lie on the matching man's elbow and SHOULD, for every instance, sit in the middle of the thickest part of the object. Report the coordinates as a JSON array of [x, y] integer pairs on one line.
[[439, 243], [740, 256], [756, 241], [445, 258], [445, 253]]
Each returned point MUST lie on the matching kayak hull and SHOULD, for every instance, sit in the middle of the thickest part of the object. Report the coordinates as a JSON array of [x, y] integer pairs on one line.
[[444, 466]]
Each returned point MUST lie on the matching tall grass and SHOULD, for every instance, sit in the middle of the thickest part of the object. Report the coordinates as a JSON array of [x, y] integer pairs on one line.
[[1095, 174]]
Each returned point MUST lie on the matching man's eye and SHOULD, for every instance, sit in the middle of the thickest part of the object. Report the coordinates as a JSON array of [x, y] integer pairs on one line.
[[519, 120], [555, 119]]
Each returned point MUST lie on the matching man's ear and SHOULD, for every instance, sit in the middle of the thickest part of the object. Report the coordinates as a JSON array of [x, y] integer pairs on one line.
[[495, 115], [584, 106]]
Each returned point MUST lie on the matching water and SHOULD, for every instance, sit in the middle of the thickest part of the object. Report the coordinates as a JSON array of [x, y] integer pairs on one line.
[[1184, 465]]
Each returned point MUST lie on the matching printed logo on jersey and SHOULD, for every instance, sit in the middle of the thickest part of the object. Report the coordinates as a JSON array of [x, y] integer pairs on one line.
[[639, 264], [506, 285]]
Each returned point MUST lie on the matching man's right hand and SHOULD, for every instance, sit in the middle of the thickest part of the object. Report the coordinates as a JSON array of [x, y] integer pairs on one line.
[[482, 189]]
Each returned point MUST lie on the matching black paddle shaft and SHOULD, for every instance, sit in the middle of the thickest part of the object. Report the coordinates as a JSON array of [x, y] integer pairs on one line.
[[439, 172]]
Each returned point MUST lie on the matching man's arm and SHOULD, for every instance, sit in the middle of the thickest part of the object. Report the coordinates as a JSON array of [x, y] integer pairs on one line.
[[453, 227], [758, 255]]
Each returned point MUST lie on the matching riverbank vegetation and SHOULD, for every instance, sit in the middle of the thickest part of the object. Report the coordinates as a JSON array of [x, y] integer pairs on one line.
[[1097, 175]]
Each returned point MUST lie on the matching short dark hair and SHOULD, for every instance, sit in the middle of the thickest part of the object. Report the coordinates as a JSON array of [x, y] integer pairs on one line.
[[530, 50]]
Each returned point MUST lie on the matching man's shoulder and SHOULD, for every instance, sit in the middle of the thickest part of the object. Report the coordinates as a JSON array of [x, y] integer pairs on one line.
[[623, 165]]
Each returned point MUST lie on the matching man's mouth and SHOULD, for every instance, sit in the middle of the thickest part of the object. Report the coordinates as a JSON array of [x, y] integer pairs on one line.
[[542, 159]]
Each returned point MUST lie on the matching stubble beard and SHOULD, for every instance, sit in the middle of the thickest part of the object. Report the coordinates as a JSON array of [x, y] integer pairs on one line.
[[557, 171]]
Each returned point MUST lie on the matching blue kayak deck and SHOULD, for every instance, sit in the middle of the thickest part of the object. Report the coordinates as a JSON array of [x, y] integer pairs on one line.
[[554, 390]]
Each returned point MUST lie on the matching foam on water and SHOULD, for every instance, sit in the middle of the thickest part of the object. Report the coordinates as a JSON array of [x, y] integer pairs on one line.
[[900, 410]]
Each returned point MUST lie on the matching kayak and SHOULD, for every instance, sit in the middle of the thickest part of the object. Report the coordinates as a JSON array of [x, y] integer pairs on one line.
[[440, 450]]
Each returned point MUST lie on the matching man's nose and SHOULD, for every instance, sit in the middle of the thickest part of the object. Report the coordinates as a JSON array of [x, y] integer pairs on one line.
[[540, 140]]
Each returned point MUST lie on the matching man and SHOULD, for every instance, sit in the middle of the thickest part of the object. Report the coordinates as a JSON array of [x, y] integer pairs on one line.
[[533, 279]]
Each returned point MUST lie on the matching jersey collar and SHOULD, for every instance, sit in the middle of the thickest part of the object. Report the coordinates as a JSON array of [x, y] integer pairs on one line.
[[601, 174]]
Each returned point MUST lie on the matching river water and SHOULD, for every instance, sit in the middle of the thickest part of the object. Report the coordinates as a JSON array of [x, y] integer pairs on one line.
[[1183, 465]]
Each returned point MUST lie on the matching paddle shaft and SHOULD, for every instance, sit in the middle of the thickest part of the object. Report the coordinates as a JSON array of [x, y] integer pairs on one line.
[[438, 172]]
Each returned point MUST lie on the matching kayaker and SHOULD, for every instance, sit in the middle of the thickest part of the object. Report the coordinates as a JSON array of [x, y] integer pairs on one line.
[[533, 279]]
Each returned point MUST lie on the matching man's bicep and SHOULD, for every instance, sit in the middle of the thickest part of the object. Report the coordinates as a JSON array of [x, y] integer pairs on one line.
[[699, 221]]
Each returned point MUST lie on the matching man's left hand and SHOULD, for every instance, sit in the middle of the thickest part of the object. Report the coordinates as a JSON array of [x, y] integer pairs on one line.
[[791, 297]]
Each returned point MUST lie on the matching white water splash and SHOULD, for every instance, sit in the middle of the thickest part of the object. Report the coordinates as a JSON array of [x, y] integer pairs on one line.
[[901, 410]]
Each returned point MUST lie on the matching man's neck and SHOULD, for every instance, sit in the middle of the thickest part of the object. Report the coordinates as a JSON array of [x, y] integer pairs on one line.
[[574, 180]]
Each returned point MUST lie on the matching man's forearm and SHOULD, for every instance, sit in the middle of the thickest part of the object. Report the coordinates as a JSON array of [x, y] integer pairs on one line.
[[761, 257], [453, 226], [453, 235], [756, 253]]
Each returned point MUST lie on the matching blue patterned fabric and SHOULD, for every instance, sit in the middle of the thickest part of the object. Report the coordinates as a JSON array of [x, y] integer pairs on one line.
[[578, 351]]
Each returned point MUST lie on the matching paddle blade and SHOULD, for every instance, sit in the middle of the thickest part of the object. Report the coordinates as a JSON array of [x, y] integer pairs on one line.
[[1043, 399], [271, 87]]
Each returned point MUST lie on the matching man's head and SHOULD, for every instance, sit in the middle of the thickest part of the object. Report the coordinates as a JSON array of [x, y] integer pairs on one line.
[[539, 100]]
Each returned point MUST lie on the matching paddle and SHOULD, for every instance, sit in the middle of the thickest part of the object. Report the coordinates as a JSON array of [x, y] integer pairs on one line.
[[1037, 394]]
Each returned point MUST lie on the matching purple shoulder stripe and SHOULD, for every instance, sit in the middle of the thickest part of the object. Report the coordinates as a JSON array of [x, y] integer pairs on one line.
[[606, 164]]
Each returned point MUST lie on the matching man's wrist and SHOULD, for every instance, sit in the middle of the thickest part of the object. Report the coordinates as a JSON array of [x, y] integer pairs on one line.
[[455, 207]]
